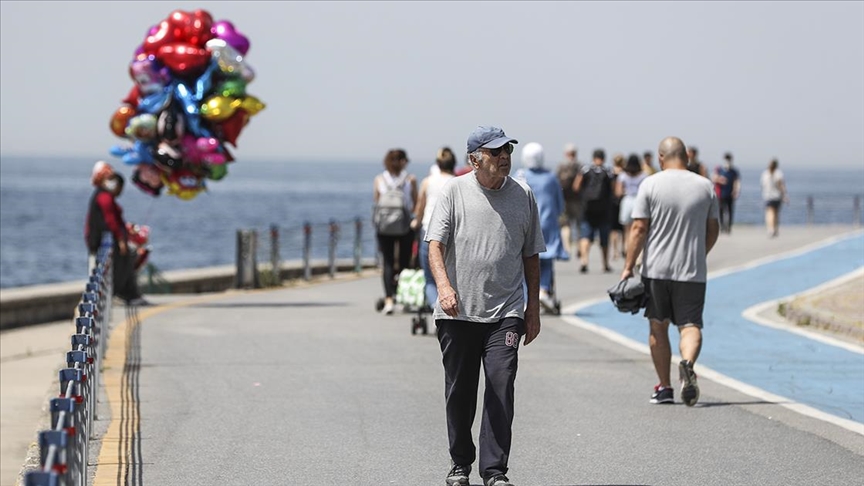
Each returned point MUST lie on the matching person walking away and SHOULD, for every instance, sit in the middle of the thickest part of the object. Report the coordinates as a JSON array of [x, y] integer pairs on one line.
[[647, 163], [727, 180], [104, 214], [774, 194], [675, 225], [695, 165], [571, 220], [395, 195], [484, 242], [616, 229], [430, 189], [626, 187], [550, 205], [594, 185]]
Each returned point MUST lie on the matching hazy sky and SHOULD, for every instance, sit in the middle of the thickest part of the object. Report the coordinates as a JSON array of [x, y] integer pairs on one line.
[[348, 80]]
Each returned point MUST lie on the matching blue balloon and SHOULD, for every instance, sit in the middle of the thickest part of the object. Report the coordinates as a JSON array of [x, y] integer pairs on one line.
[[189, 107], [156, 102], [138, 153], [205, 81]]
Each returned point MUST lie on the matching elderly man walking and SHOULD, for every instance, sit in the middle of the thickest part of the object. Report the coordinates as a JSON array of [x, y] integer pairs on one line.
[[675, 223], [484, 242]]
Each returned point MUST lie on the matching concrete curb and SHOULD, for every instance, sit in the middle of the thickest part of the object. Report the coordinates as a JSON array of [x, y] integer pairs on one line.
[[38, 304]]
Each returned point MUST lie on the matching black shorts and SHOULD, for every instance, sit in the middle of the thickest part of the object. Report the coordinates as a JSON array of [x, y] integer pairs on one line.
[[680, 302], [773, 203]]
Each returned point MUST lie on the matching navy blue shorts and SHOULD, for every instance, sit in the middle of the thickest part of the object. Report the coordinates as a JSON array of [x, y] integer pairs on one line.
[[588, 230]]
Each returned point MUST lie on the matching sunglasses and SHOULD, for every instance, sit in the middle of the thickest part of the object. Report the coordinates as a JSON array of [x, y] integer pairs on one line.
[[497, 151]]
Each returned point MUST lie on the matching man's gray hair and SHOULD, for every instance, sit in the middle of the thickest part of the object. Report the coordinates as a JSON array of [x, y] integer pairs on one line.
[[477, 155]]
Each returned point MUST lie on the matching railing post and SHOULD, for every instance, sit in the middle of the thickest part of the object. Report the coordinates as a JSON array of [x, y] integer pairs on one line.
[[331, 253], [856, 211], [810, 211], [307, 249], [275, 265], [247, 268], [358, 244]]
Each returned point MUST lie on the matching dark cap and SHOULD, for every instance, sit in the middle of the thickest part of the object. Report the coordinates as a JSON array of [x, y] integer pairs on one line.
[[487, 137]]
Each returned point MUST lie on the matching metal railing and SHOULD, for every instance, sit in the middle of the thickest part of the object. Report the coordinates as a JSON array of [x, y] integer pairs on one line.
[[64, 448], [331, 245]]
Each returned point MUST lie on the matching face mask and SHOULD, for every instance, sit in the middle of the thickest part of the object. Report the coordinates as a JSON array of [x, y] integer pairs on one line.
[[110, 185]]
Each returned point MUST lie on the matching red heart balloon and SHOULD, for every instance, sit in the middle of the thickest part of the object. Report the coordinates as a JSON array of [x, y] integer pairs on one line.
[[165, 34], [198, 30], [132, 98], [230, 129], [184, 59]]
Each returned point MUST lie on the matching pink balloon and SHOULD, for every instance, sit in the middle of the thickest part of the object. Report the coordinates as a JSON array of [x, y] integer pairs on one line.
[[223, 29]]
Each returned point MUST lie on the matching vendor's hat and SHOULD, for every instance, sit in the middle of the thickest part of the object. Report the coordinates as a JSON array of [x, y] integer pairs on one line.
[[488, 137], [101, 171]]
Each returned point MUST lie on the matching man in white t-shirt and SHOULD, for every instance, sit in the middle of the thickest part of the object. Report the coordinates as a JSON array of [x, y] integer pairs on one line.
[[675, 223]]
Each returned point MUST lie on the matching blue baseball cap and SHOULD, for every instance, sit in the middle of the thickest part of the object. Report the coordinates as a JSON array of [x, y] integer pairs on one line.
[[488, 137]]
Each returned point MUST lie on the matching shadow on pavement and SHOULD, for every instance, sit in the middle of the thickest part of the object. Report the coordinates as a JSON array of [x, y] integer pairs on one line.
[[271, 304]]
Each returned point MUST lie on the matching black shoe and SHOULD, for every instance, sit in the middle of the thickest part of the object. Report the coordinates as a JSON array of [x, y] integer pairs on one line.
[[458, 475], [497, 480], [583, 269], [607, 269], [689, 386], [663, 394]]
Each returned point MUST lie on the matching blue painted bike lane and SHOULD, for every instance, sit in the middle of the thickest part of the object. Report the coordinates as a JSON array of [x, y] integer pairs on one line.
[[825, 377]]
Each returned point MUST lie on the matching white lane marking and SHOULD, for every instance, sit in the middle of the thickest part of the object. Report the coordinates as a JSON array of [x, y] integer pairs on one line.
[[706, 372], [753, 314], [788, 254]]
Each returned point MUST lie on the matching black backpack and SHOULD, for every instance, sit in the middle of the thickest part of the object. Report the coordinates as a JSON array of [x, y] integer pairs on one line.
[[596, 185]]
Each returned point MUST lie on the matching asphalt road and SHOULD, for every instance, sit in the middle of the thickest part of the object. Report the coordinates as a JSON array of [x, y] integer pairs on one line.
[[309, 385]]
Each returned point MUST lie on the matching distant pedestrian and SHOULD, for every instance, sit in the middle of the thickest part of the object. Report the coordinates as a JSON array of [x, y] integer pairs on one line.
[[484, 241], [105, 215], [571, 220], [647, 163], [595, 187], [430, 189], [626, 187], [727, 180], [550, 204], [616, 229], [695, 165], [675, 224], [395, 195], [774, 194]]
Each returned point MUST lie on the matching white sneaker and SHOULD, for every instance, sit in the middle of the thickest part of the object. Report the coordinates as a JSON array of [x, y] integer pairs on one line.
[[546, 302], [388, 308]]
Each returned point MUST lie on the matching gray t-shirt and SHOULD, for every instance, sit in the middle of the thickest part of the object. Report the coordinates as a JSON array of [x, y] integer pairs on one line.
[[678, 205], [486, 234]]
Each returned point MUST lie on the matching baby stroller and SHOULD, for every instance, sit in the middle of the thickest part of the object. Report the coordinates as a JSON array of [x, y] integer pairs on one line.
[[411, 295]]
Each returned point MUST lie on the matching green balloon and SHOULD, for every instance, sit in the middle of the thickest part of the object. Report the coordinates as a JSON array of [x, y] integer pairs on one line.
[[232, 88], [217, 172]]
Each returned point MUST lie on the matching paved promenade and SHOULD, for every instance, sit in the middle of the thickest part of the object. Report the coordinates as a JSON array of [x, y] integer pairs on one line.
[[307, 384]]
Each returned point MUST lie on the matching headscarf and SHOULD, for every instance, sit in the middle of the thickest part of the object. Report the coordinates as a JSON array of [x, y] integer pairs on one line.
[[101, 171], [532, 156]]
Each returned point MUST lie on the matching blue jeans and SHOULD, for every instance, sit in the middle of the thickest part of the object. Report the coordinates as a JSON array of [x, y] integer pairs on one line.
[[423, 253], [546, 271]]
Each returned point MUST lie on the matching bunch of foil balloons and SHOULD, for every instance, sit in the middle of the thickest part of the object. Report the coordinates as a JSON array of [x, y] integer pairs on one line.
[[188, 102]]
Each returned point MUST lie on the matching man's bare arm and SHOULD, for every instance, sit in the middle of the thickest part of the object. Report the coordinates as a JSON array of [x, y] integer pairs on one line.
[[446, 293]]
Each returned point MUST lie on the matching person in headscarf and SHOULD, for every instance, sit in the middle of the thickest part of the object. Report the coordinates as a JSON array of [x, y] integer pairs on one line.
[[550, 204]]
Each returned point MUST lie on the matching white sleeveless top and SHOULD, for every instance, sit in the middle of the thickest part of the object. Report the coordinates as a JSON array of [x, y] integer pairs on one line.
[[433, 189], [389, 181]]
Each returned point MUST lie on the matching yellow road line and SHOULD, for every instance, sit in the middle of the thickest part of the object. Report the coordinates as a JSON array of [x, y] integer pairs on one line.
[[111, 469]]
